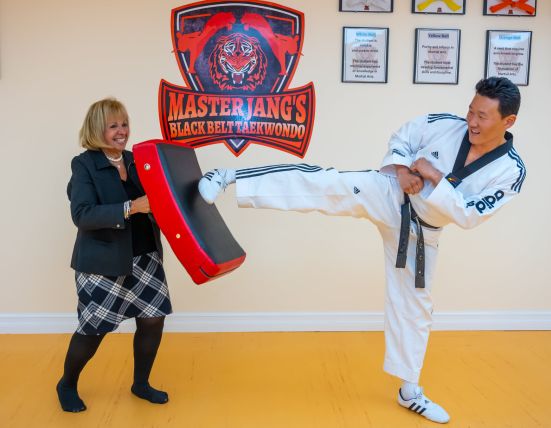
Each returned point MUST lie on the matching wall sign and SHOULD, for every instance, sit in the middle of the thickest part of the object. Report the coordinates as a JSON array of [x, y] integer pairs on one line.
[[365, 55], [508, 55], [237, 59], [436, 56]]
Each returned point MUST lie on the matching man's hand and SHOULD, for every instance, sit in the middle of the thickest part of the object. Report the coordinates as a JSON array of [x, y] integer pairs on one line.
[[425, 169], [409, 182]]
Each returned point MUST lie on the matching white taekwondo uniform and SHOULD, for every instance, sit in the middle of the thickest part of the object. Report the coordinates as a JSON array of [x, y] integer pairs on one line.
[[465, 196]]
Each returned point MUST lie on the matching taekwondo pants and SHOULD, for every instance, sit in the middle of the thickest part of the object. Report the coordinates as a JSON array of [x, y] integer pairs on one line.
[[361, 194]]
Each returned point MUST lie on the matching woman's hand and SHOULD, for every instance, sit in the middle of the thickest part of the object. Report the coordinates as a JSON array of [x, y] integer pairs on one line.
[[140, 205], [409, 182]]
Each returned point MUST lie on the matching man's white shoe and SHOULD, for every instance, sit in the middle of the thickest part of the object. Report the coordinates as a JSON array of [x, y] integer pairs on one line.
[[421, 405], [214, 182]]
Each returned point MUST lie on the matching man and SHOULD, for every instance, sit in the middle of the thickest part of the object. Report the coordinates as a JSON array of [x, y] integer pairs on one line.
[[439, 169]]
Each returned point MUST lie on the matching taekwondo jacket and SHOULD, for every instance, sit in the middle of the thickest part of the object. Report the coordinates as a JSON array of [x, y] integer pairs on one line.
[[466, 202], [104, 239]]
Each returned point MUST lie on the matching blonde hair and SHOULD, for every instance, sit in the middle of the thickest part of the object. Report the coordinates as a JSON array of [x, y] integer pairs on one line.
[[93, 127]]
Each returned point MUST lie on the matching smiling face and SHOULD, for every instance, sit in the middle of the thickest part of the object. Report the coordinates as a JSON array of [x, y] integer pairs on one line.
[[116, 133], [486, 125]]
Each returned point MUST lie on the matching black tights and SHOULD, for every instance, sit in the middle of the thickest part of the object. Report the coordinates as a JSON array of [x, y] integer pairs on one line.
[[82, 348], [147, 339]]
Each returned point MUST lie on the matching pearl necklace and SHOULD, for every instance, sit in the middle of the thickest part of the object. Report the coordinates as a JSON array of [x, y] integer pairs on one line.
[[114, 159]]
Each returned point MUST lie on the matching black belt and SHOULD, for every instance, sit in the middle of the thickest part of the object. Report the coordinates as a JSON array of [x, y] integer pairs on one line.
[[409, 214]]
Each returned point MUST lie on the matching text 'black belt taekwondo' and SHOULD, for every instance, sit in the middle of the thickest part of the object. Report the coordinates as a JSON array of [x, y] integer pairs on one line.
[[459, 173]]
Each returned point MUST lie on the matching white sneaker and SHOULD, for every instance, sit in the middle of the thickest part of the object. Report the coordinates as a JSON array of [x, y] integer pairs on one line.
[[424, 407], [214, 182]]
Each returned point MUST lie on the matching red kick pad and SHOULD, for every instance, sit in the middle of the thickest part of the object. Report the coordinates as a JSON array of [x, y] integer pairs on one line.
[[194, 229]]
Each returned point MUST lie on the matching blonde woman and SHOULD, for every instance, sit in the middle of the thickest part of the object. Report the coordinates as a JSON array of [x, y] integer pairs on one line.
[[117, 255]]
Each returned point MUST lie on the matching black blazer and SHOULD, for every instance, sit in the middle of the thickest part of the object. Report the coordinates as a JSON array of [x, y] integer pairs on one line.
[[104, 238]]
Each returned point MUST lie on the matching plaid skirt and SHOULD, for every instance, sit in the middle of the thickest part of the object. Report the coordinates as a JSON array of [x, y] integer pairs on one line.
[[105, 301]]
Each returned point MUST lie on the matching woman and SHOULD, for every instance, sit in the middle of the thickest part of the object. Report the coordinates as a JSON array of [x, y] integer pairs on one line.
[[117, 255]]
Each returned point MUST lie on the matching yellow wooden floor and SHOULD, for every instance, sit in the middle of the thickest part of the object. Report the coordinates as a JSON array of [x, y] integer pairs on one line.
[[264, 380]]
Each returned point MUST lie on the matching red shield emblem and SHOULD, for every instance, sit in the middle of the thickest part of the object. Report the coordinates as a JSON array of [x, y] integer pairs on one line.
[[237, 59]]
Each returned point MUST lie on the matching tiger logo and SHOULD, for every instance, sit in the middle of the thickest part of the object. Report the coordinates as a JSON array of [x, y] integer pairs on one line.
[[238, 62]]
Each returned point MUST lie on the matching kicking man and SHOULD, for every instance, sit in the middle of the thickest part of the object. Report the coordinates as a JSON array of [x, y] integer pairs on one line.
[[439, 169]]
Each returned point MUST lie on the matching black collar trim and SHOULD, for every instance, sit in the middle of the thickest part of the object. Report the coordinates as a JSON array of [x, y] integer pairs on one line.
[[460, 171]]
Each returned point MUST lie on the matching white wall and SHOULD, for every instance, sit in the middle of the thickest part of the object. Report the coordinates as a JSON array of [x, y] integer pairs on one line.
[[57, 57]]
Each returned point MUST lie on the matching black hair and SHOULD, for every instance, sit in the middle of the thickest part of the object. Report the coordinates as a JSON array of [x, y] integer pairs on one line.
[[503, 90]]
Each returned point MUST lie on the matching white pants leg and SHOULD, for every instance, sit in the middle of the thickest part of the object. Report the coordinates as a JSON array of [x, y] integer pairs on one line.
[[306, 188], [408, 310], [371, 195]]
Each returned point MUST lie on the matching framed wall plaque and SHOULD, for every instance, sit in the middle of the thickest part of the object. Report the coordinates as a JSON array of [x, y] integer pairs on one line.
[[365, 5], [445, 7], [510, 7], [365, 55], [508, 55], [436, 56]]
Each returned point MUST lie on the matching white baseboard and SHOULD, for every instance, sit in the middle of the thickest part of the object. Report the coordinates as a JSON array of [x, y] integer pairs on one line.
[[37, 323]]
